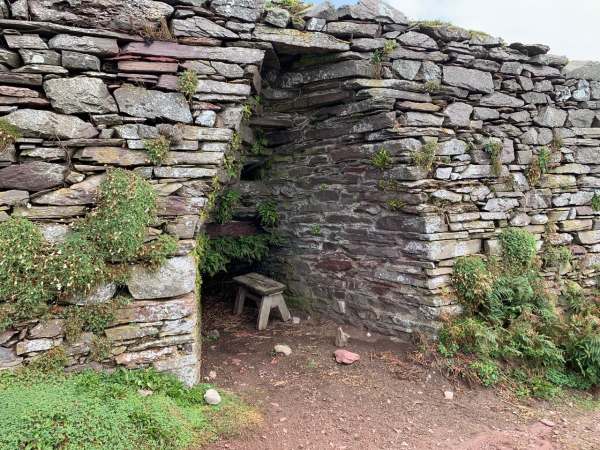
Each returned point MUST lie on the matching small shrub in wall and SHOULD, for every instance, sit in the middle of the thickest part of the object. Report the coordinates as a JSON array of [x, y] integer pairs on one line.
[[187, 83], [35, 274], [8, 134]]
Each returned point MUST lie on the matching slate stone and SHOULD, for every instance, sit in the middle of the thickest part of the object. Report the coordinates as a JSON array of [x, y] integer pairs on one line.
[[200, 26], [14, 197], [353, 29], [176, 277], [325, 72], [415, 39], [550, 117], [80, 61], [245, 10], [85, 44], [80, 95], [9, 58], [48, 329], [473, 80], [77, 194], [278, 17], [46, 124], [291, 41], [586, 70], [140, 102], [499, 100], [130, 15], [8, 358], [237, 55], [458, 115], [40, 57], [30, 41], [406, 69]]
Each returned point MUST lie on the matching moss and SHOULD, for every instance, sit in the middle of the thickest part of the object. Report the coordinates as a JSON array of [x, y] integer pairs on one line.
[[8, 134], [91, 318], [395, 204], [158, 149], [156, 252], [432, 87], [187, 83], [100, 348], [53, 361]]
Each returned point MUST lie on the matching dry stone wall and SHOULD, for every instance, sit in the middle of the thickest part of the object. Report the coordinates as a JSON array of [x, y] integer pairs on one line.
[[89, 99], [418, 144], [394, 148]]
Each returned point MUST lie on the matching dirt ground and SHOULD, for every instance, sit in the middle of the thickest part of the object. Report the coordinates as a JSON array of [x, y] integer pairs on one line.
[[384, 401]]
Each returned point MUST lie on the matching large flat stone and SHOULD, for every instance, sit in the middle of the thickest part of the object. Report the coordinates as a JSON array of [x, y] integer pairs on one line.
[[159, 310], [237, 55], [291, 41], [245, 10], [83, 193], [176, 277], [80, 95], [325, 72], [200, 27], [85, 44], [46, 124], [586, 70], [473, 80], [550, 117], [130, 15], [32, 176], [140, 102]]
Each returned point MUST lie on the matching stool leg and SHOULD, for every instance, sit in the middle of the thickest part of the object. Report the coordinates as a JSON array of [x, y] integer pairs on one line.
[[263, 313], [283, 310], [239, 301]]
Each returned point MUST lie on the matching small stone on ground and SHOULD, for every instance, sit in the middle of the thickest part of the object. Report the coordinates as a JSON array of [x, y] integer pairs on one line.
[[345, 357], [212, 397], [283, 349]]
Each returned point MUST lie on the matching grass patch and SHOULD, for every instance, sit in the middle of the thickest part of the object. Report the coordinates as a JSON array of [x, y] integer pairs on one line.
[[158, 149], [187, 83], [425, 156], [105, 411], [8, 134], [382, 159]]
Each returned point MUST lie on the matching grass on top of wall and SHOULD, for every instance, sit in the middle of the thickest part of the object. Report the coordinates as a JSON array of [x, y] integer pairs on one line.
[[100, 411]]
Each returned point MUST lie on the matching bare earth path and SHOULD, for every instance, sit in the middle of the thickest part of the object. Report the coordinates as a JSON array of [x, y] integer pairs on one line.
[[381, 402]]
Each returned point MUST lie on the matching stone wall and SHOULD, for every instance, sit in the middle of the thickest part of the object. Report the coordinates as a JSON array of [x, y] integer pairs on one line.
[[86, 100], [376, 247], [370, 245]]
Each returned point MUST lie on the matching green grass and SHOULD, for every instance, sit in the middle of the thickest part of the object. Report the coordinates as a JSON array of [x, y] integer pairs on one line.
[[105, 411]]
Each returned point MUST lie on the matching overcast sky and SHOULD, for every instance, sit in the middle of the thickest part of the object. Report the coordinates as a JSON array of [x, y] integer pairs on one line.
[[569, 27]]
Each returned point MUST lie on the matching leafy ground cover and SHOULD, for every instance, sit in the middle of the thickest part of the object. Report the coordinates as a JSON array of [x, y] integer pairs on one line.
[[140, 409], [517, 333]]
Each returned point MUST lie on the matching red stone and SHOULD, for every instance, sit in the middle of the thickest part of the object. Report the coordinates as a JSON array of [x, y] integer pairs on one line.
[[345, 357], [148, 66], [335, 264], [231, 229]]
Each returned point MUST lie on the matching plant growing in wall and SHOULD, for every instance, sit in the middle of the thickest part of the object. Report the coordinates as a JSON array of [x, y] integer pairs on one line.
[[539, 166], [425, 156], [432, 87], [249, 108], [8, 134], [596, 202], [267, 212], [494, 149], [382, 159], [157, 149], [511, 326], [380, 54], [228, 200], [187, 83], [36, 274]]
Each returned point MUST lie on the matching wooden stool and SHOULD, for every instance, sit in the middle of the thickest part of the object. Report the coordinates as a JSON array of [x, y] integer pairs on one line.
[[266, 292]]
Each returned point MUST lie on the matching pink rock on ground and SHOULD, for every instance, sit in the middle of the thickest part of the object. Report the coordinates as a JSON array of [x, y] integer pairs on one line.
[[345, 357]]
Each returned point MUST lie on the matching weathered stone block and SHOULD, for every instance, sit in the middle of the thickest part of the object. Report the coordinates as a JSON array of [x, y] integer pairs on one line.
[[176, 277]]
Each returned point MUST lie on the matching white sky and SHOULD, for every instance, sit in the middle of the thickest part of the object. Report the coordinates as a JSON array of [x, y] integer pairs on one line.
[[569, 27]]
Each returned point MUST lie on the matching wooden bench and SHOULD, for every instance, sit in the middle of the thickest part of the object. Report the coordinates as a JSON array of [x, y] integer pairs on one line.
[[267, 293]]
